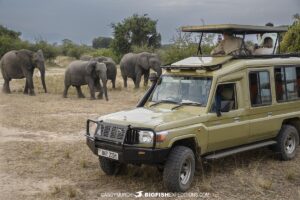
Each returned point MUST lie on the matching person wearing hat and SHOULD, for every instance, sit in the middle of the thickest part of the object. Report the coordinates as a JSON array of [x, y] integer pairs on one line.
[[229, 44]]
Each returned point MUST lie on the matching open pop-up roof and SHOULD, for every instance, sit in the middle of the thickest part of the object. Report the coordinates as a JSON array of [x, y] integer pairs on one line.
[[234, 28]]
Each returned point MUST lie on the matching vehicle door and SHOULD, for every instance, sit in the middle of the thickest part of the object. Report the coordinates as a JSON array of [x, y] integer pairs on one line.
[[260, 112], [228, 126]]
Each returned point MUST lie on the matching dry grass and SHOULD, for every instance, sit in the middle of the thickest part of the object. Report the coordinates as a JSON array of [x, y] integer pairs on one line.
[[43, 154]]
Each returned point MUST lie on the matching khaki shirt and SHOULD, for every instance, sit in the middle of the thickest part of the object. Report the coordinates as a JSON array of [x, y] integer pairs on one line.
[[227, 46], [263, 51]]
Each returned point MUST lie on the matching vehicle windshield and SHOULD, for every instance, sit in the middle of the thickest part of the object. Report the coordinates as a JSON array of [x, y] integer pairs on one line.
[[182, 90]]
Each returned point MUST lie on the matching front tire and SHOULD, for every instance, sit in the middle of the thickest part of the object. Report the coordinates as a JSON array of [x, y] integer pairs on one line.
[[287, 142], [179, 169], [110, 167]]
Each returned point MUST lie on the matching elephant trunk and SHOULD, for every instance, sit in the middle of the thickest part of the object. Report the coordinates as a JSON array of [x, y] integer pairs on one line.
[[42, 70], [158, 70], [104, 82]]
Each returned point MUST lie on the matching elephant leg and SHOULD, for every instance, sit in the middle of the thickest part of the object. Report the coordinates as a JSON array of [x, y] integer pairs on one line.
[[92, 89], [26, 87], [6, 88], [125, 81], [146, 78], [113, 83], [79, 92], [100, 95], [65, 94], [138, 80], [30, 85]]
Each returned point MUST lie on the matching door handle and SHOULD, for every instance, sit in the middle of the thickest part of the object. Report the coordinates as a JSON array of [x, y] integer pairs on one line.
[[236, 119], [270, 114]]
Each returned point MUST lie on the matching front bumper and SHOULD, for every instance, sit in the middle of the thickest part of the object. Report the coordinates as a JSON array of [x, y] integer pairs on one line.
[[130, 154]]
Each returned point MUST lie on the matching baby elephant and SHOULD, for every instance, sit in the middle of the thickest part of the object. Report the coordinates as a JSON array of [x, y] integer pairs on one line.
[[86, 73]]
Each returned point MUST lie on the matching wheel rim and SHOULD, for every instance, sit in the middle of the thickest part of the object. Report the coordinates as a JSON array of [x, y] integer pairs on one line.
[[290, 143], [185, 172]]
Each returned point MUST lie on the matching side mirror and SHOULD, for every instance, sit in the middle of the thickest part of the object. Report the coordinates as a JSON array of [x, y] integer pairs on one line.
[[153, 77]]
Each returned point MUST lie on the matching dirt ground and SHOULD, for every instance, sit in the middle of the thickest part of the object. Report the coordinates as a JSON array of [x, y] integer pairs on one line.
[[43, 154]]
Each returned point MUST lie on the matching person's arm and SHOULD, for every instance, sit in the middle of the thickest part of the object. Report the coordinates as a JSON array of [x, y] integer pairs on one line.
[[218, 50]]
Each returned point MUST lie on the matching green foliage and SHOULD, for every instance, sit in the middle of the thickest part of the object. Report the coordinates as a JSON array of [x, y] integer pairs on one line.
[[101, 42], [69, 48], [104, 52], [8, 43], [135, 31], [291, 39], [50, 51], [10, 33], [144, 48], [184, 45]]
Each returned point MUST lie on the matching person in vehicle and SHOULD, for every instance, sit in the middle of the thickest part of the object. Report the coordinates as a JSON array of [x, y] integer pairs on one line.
[[266, 49], [228, 45]]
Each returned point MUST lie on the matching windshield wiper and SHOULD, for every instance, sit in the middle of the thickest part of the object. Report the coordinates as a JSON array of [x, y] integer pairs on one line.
[[163, 101], [189, 103]]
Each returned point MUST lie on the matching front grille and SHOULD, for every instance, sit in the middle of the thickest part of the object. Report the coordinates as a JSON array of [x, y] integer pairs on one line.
[[111, 132], [132, 136]]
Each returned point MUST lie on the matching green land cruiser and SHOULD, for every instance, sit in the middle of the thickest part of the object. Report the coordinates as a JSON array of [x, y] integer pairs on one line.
[[204, 108]]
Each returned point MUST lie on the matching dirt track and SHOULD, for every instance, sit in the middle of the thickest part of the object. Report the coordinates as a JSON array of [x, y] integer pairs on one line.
[[43, 153]]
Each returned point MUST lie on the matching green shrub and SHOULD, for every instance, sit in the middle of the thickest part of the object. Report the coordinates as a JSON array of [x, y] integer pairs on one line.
[[50, 51], [8, 43], [175, 52], [291, 39], [104, 52]]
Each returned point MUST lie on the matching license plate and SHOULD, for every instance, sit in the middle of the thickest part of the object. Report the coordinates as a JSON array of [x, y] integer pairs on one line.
[[108, 154]]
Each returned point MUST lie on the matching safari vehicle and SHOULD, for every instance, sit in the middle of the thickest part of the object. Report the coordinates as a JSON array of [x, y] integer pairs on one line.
[[205, 108]]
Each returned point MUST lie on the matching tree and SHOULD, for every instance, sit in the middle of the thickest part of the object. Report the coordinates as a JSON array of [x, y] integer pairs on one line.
[[185, 45], [50, 51], [291, 39], [10, 40], [101, 42], [135, 31], [9, 33]]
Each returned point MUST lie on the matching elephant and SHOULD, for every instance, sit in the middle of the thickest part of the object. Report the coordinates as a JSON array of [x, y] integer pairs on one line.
[[135, 66], [111, 69], [110, 65], [21, 64], [86, 73]]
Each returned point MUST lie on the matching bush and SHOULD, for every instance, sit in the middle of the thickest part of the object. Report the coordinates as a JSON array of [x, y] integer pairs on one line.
[[8, 43], [50, 51], [101, 42], [143, 48], [104, 52], [175, 52], [291, 39]]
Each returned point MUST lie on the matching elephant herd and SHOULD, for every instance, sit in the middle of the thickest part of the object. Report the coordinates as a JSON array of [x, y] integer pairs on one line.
[[90, 71]]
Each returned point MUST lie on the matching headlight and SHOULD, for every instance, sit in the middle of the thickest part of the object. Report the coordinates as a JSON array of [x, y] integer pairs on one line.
[[92, 128], [145, 137]]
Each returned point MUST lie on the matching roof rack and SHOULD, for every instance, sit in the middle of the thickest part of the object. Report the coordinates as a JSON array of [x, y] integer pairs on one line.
[[209, 63], [234, 28], [207, 68], [287, 55]]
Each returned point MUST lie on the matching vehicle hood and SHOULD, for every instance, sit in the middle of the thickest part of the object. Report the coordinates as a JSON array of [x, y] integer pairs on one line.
[[154, 118]]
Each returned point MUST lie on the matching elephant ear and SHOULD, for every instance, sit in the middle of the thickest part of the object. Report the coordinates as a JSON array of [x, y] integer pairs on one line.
[[143, 61], [26, 57], [91, 66]]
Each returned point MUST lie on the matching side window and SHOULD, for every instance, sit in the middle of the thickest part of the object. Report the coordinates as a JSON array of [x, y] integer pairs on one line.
[[260, 90], [287, 81], [225, 98]]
